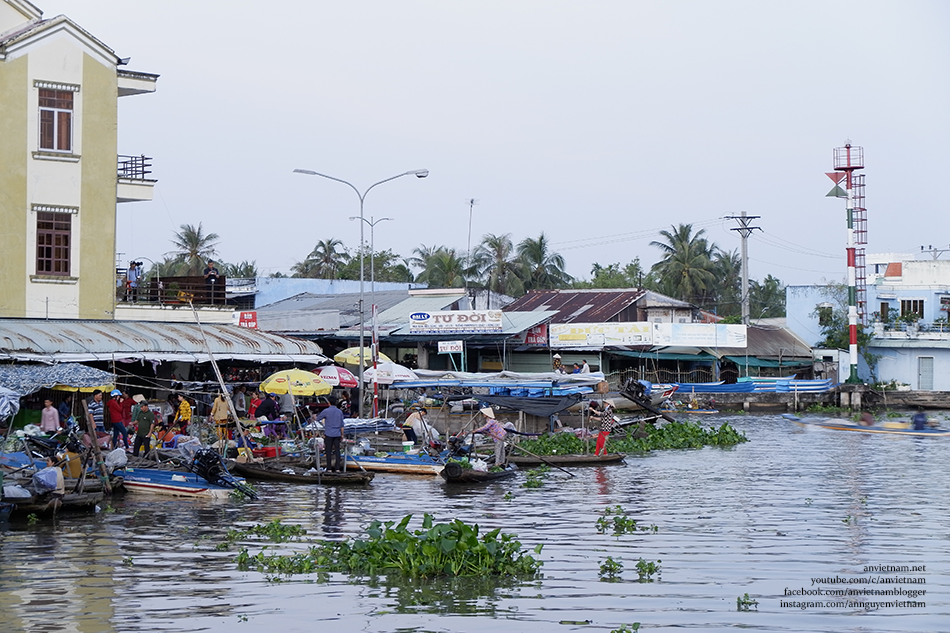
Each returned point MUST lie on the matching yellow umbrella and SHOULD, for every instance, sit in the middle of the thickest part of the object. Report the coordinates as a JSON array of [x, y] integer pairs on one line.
[[296, 381], [351, 356]]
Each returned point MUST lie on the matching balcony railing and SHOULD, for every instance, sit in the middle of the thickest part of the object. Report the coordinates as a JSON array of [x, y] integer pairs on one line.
[[134, 167], [173, 291]]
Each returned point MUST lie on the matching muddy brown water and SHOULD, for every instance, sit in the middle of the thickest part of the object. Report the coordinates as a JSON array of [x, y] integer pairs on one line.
[[761, 518]]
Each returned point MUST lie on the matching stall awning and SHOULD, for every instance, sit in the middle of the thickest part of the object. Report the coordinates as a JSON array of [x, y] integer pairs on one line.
[[702, 357], [56, 341], [752, 361]]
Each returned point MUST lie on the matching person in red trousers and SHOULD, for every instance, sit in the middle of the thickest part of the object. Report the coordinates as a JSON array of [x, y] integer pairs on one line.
[[607, 423]]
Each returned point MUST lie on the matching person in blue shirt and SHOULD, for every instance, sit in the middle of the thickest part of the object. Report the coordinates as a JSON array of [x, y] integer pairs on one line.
[[919, 420], [332, 434]]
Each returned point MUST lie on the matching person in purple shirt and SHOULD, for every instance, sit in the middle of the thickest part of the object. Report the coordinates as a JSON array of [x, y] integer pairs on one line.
[[333, 434]]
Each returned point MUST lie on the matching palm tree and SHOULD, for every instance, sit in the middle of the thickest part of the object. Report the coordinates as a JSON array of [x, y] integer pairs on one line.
[[444, 268], [325, 261], [243, 270], [494, 261], [194, 248], [767, 299], [726, 293], [686, 269], [540, 267]]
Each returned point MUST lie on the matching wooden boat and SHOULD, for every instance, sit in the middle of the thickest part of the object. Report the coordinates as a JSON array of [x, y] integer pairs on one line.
[[568, 460], [281, 471], [888, 428], [406, 463], [48, 505], [172, 482], [454, 473]]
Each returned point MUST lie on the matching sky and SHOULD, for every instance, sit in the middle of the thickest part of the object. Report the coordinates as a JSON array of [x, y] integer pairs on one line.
[[599, 123]]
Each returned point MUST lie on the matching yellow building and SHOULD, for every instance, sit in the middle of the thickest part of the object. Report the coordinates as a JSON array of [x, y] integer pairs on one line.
[[60, 172]]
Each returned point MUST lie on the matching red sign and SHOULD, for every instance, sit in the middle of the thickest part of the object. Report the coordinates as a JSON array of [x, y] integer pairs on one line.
[[538, 336], [248, 319]]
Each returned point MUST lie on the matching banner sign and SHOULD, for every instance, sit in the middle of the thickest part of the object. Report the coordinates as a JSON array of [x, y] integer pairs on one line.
[[600, 334], [247, 319], [699, 335], [450, 347], [537, 336], [456, 322]]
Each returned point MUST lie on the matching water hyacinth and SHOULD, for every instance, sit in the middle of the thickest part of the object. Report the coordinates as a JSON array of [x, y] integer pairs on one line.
[[670, 435], [445, 549]]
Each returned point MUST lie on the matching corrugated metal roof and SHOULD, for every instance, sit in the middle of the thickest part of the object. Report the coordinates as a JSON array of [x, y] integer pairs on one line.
[[582, 306], [770, 342], [83, 341], [398, 315], [348, 304], [512, 323]]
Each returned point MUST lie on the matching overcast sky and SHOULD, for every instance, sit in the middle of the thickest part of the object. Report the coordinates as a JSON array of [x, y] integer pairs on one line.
[[599, 123]]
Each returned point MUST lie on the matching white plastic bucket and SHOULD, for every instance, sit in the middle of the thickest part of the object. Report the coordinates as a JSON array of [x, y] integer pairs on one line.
[[406, 447]]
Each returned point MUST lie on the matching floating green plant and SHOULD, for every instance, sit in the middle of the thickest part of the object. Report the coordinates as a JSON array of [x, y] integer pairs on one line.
[[274, 531], [745, 603], [647, 569], [611, 569], [672, 435], [445, 549], [627, 628], [620, 523], [536, 477]]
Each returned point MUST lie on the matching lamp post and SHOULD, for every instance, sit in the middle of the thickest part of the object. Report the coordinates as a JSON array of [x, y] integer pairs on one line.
[[372, 294], [372, 252], [418, 173]]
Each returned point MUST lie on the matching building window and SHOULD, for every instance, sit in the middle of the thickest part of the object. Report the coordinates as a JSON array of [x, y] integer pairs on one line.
[[52, 243], [912, 306], [56, 120], [825, 314]]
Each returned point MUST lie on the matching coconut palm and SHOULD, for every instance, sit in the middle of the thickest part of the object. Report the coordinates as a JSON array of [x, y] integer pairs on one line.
[[325, 261], [244, 270], [726, 293], [444, 268], [540, 267], [495, 262], [194, 247], [767, 299], [686, 269]]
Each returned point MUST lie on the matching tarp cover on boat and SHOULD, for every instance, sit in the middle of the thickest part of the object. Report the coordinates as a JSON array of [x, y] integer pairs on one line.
[[543, 406], [25, 379], [9, 403]]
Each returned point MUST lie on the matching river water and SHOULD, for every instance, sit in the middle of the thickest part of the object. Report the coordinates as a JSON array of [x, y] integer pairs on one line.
[[760, 518]]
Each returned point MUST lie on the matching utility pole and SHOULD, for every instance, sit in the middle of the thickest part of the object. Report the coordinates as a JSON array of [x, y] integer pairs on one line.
[[745, 230], [468, 258], [934, 252]]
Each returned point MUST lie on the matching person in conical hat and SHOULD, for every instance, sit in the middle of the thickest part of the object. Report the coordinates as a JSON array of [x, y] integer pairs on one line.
[[497, 433]]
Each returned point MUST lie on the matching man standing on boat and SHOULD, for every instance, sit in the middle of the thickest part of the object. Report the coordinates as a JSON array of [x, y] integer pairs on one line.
[[497, 433], [332, 434]]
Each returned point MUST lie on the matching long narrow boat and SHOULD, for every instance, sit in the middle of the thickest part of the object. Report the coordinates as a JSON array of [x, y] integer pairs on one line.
[[568, 460], [887, 428], [172, 482], [296, 475], [47, 505], [405, 463], [455, 473]]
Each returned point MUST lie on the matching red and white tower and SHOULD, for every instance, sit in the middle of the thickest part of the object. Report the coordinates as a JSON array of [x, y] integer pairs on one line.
[[848, 160]]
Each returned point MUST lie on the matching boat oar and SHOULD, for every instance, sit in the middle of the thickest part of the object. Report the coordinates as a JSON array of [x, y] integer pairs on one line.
[[524, 450]]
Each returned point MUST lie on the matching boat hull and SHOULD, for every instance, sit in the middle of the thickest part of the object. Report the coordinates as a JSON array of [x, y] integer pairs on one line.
[[454, 473], [171, 483], [396, 463], [568, 460], [261, 472], [848, 425]]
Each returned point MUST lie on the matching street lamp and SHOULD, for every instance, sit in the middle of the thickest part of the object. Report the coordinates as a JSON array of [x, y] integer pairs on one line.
[[418, 173], [372, 252], [372, 293]]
